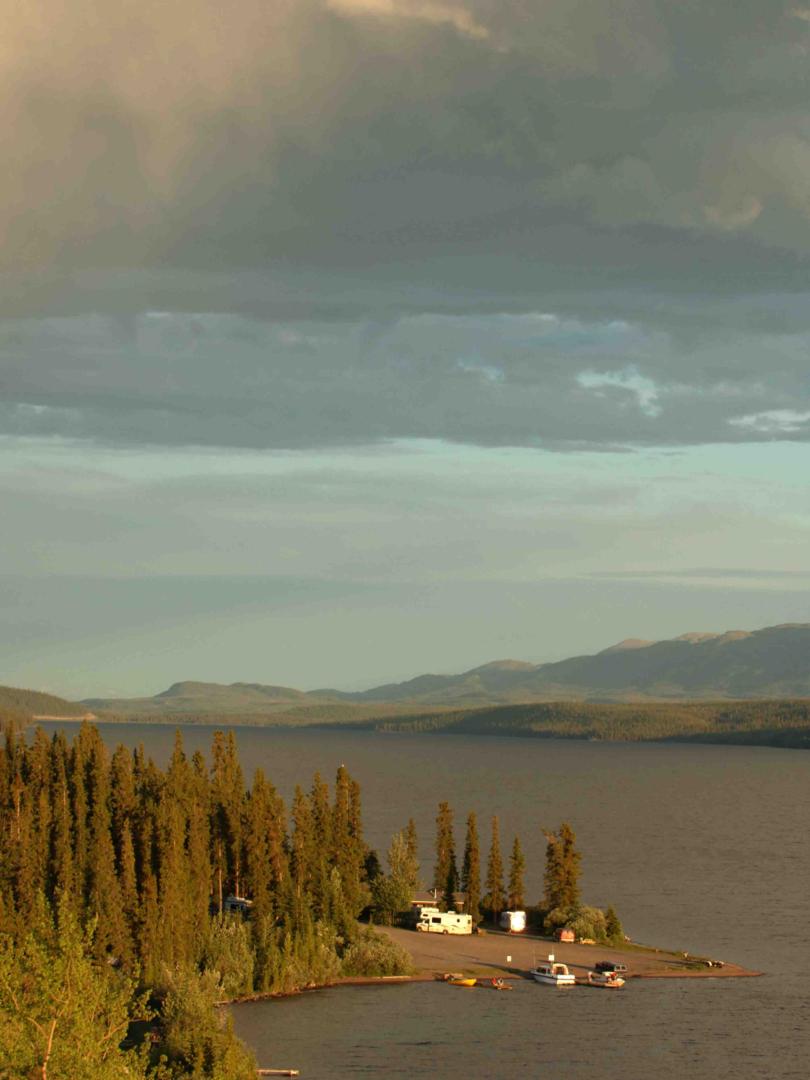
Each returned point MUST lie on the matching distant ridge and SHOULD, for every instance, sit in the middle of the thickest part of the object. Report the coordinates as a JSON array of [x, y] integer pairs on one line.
[[770, 663], [31, 704]]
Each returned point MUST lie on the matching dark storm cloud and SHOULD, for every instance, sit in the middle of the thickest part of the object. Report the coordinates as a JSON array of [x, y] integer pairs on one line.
[[336, 202]]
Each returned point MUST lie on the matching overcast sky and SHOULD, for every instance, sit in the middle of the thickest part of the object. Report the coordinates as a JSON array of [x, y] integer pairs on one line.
[[343, 340]]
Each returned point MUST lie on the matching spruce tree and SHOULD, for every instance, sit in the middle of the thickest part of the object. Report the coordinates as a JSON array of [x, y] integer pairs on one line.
[[302, 850], [344, 853], [613, 927], [227, 792], [104, 900], [561, 877], [61, 888], [494, 899], [176, 944], [471, 871], [322, 856], [445, 877], [258, 812], [412, 840], [516, 889]]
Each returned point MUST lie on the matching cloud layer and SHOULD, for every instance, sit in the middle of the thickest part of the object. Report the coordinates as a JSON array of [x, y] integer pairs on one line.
[[302, 222]]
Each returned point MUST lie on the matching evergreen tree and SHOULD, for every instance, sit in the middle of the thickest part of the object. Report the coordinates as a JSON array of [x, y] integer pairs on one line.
[[303, 852], [516, 888], [227, 792], [471, 871], [265, 858], [494, 899], [392, 893], [199, 845], [79, 814], [359, 847], [412, 841], [445, 876], [104, 900], [561, 878], [322, 855], [175, 938], [37, 782], [61, 887], [614, 931], [346, 855]]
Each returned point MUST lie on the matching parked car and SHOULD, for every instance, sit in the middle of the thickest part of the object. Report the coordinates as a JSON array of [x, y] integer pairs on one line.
[[609, 965]]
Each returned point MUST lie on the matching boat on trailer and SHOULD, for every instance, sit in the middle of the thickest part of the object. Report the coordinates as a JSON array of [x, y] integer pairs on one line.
[[553, 973], [607, 980]]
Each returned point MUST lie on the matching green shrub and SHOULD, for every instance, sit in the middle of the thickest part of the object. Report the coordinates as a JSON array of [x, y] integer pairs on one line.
[[586, 922], [375, 954], [229, 955], [198, 1041]]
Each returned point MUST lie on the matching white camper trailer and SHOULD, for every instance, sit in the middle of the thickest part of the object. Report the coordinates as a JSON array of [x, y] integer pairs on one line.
[[433, 921], [513, 921]]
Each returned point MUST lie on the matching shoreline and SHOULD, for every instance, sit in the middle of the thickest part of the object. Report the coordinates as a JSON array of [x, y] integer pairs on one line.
[[760, 739], [513, 956], [479, 955]]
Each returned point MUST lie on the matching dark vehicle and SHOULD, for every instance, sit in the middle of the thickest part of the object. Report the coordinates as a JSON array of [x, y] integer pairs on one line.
[[609, 965]]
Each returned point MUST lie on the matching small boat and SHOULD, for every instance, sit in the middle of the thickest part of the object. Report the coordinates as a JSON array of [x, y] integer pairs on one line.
[[462, 982], [496, 984], [608, 980], [553, 973]]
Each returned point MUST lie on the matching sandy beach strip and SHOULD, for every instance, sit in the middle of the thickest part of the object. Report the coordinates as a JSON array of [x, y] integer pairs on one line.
[[514, 955]]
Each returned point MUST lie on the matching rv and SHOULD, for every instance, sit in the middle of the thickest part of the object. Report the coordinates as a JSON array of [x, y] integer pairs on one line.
[[237, 905], [513, 921], [433, 921]]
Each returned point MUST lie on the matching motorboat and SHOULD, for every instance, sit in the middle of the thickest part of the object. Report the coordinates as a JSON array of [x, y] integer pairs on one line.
[[608, 980], [553, 973]]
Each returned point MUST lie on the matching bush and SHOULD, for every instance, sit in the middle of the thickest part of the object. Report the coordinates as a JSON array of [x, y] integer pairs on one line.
[[229, 955], [586, 922], [198, 1040], [61, 1012], [375, 954]]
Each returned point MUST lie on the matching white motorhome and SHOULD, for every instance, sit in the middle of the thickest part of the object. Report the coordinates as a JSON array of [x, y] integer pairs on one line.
[[513, 921], [433, 921]]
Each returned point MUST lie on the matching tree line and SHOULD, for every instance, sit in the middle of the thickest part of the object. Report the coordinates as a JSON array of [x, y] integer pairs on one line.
[[121, 872], [132, 898], [784, 722], [484, 893]]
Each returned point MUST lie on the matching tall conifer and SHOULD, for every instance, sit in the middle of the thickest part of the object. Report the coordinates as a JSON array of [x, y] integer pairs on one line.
[[494, 899], [471, 871], [516, 889], [445, 877], [561, 877]]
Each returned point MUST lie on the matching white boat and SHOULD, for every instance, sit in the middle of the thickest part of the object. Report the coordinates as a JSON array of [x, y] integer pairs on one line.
[[552, 973], [608, 980]]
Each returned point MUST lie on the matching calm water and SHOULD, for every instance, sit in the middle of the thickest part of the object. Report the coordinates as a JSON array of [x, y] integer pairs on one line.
[[698, 847]]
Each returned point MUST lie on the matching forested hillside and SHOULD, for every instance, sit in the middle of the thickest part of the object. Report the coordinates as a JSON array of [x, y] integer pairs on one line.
[[766, 723], [34, 703], [119, 871]]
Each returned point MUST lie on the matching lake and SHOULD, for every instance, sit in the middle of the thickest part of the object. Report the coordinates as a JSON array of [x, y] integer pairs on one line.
[[702, 848]]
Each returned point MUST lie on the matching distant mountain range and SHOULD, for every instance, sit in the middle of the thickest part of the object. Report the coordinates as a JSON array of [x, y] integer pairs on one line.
[[769, 663]]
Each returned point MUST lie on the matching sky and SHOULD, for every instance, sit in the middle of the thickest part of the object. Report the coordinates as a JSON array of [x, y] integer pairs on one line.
[[346, 340]]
